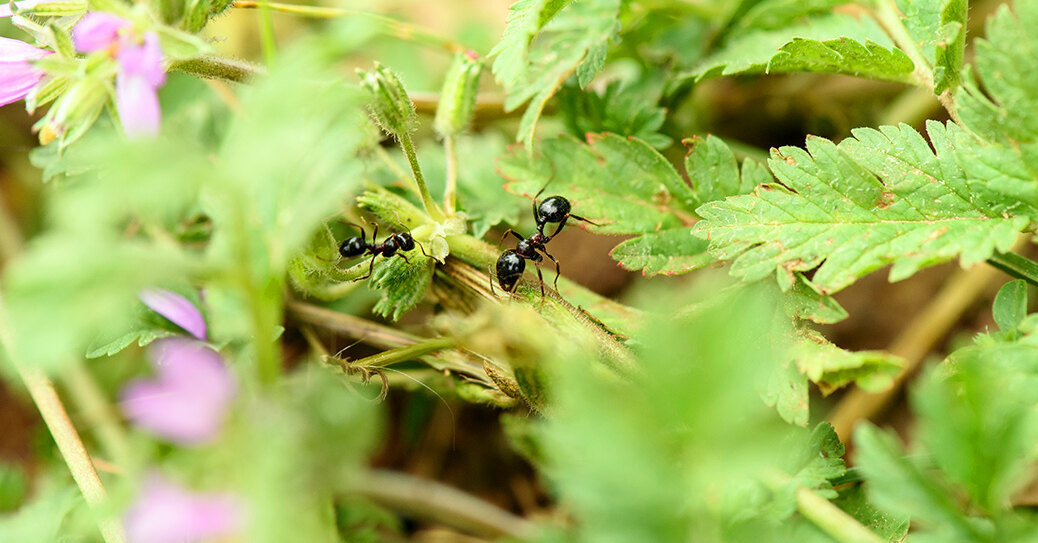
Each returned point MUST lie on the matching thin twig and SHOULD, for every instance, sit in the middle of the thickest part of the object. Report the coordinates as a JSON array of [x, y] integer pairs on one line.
[[439, 503]]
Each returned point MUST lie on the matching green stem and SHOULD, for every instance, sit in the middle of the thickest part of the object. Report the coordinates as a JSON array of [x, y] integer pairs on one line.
[[450, 194], [832, 520], [404, 354], [388, 25], [267, 33], [1015, 265], [213, 67], [890, 19], [407, 144]]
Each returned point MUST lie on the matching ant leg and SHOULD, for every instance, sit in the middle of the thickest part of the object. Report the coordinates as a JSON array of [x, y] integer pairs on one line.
[[579, 218], [403, 256], [427, 255], [557, 272], [371, 269], [559, 228], [540, 278], [505, 235], [490, 276]]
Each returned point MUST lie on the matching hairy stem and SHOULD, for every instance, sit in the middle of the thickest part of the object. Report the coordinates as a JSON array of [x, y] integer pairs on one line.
[[450, 194], [403, 354], [388, 25], [407, 144], [832, 520], [441, 504], [213, 67]]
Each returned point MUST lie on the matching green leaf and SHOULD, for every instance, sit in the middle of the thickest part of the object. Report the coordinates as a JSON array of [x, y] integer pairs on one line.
[[669, 252], [821, 461], [977, 418], [831, 367], [806, 302], [889, 526], [939, 29], [896, 484], [1010, 306], [880, 197], [833, 44], [777, 14], [404, 283], [574, 40], [1007, 110], [787, 391], [629, 188], [617, 109]]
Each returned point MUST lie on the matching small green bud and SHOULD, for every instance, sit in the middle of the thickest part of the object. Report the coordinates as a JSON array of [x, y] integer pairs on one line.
[[62, 40], [458, 96], [391, 108], [60, 8], [196, 15]]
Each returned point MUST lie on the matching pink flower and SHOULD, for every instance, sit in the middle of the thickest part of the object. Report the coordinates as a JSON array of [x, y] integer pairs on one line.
[[167, 513], [187, 402], [140, 68], [17, 75], [177, 309]]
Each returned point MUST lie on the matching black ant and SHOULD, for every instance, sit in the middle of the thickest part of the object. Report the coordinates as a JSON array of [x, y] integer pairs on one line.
[[358, 245], [512, 263]]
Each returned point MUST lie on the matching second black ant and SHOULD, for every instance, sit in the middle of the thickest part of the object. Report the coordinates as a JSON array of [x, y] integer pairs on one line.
[[512, 263], [358, 245]]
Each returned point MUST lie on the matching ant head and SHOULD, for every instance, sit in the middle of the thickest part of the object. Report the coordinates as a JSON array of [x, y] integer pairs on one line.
[[352, 247], [554, 209], [404, 241]]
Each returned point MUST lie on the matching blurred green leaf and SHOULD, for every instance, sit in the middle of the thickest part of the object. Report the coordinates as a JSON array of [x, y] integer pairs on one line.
[[1010, 307], [832, 44], [831, 367], [617, 109], [404, 283], [777, 14], [890, 526], [648, 457], [978, 421], [570, 38], [14, 486], [42, 520], [879, 197], [668, 252]]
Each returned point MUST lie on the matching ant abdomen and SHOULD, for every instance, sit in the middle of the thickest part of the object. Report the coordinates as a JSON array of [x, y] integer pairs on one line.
[[510, 267], [352, 247], [553, 209]]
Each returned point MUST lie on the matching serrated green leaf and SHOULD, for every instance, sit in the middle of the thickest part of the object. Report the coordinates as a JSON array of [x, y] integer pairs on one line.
[[939, 29], [669, 252], [525, 18], [898, 485], [890, 526], [714, 172], [617, 109], [1004, 61], [644, 194], [833, 44], [831, 367], [786, 390], [404, 283], [141, 337], [1010, 306], [880, 197]]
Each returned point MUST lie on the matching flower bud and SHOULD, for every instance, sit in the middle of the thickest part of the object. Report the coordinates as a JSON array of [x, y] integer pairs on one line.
[[458, 96], [391, 108]]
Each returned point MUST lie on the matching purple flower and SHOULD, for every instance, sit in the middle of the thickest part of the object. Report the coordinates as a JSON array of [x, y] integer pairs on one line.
[[188, 400], [141, 73], [167, 513], [177, 309], [17, 75]]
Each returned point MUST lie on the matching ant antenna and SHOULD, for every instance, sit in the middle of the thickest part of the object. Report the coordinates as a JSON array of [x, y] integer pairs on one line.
[[403, 227]]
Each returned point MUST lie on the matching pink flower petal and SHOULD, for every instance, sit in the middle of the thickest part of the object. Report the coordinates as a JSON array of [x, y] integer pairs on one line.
[[188, 401], [177, 309], [167, 513], [5, 8], [143, 59], [97, 30], [16, 80], [138, 104], [19, 51]]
